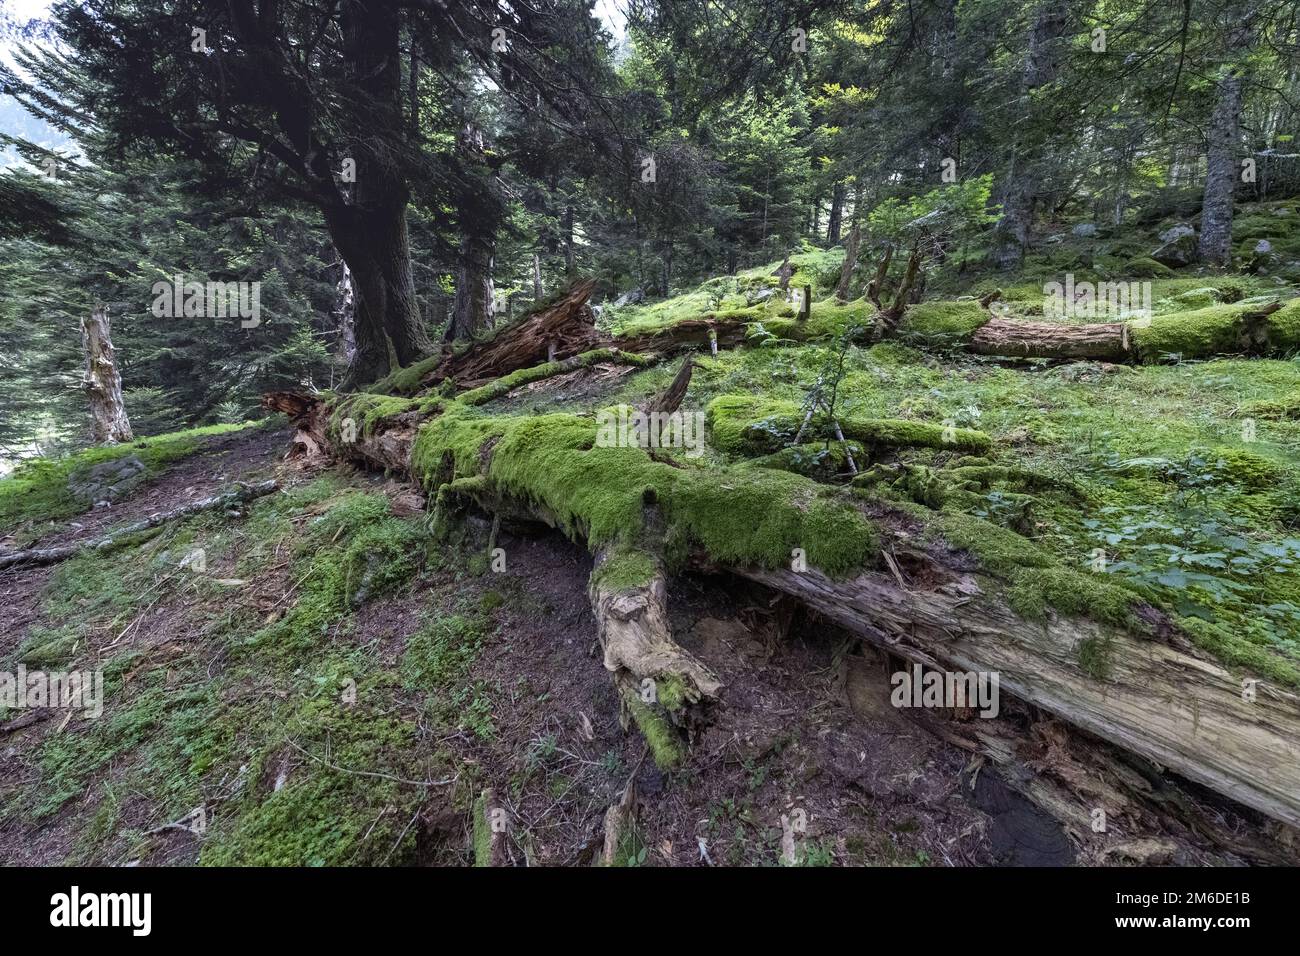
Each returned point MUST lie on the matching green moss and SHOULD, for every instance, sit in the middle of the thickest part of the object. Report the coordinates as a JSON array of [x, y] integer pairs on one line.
[[1248, 469], [1094, 654], [665, 742], [1228, 645], [38, 488], [750, 424], [442, 650], [1036, 581], [355, 552], [1144, 267], [523, 376], [749, 516], [1200, 333], [943, 323], [825, 461], [366, 410], [482, 829], [624, 570], [1284, 327], [406, 381], [1285, 408], [671, 693]]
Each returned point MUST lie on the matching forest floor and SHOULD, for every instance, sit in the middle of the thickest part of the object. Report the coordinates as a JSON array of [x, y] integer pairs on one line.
[[314, 723]]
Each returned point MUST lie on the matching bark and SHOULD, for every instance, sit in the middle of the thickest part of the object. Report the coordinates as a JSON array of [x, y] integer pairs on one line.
[[369, 226], [568, 241], [877, 284], [938, 606], [850, 263], [102, 381], [537, 278], [472, 312], [837, 213], [887, 321], [346, 309], [1106, 341], [632, 626], [1160, 701], [1221, 172], [374, 244], [670, 399], [567, 326], [123, 536]]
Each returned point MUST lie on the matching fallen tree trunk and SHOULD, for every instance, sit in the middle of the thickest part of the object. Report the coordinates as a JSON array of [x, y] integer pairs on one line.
[[1181, 711], [1104, 341], [1160, 699], [123, 536], [1198, 334]]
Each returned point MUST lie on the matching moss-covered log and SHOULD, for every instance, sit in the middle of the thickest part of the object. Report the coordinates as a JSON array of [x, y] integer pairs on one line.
[[1226, 329], [944, 589]]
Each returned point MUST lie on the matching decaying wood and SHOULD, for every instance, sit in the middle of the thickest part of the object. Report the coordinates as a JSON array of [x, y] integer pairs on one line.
[[877, 284], [102, 381], [1104, 341], [1161, 700], [784, 272], [632, 626], [62, 552], [911, 275], [671, 398], [566, 325], [1183, 712]]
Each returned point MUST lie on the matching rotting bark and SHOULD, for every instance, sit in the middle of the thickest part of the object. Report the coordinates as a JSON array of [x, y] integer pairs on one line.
[[1179, 710], [124, 536], [566, 326], [939, 606], [102, 381], [1107, 341]]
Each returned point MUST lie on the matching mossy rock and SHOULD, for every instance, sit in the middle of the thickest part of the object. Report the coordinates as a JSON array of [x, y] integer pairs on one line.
[[1144, 267]]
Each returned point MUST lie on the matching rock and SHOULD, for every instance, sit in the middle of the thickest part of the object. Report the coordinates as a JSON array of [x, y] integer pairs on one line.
[[1263, 247], [1084, 230], [1177, 252], [631, 297], [762, 295], [1177, 232], [106, 481]]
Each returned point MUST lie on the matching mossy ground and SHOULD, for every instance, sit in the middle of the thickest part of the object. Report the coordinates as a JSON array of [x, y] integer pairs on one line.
[[37, 491], [251, 689]]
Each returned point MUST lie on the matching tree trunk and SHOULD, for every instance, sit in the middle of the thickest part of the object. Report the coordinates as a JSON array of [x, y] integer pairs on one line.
[[850, 263], [102, 382], [537, 278], [1105, 341], [346, 309], [837, 214], [929, 602], [472, 311], [369, 227], [1221, 171], [568, 241], [1020, 188]]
